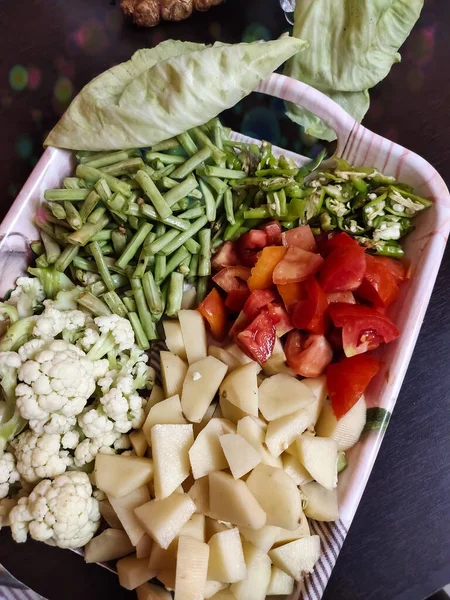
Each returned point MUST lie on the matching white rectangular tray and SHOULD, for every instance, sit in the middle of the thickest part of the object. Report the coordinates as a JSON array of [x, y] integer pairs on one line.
[[424, 247]]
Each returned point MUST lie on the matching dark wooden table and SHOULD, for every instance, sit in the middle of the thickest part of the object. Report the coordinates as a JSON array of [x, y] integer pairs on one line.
[[399, 545]]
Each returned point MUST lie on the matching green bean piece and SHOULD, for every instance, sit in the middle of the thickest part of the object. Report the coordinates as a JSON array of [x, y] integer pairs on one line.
[[160, 242], [85, 233], [188, 143], [169, 144], [133, 245], [175, 294], [125, 167], [94, 305], [163, 172], [41, 261], [103, 236], [210, 203], [92, 174], [192, 213], [193, 267], [37, 247], [262, 212], [69, 195], [115, 304], [119, 240], [74, 183], [229, 211], [133, 222], [107, 159], [57, 210], [66, 257], [143, 310], [130, 303], [180, 190], [181, 238], [144, 257], [183, 204], [52, 249], [160, 268], [204, 263], [175, 261], [79, 262], [152, 293], [112, 265], [103, 189], [149, 212], [89, 205], [141, 337], [218, 156], [166, 159], [192, 163], [183, 267], [97, 214], [101, 265], [73, 216], [192, 246], [225, 173], [202, 288], [218, 133], [154, 195]]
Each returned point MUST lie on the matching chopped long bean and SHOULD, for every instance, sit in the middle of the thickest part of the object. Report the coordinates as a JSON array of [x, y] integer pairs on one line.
[[52, 249], [130, 303], [192, 213], [180, 239], [192, 163], [101, 265], [133, 246], [115, 304], [152, 293], [107, 159], [73, 216], [175, 294], [66, 257], [141, 337], [96, 306], [204, 263], [188, 143], [228, 202], [210, 203], [92, 174], [119, 240], [202, 288], [154, 195], [180, 190], [192, 246], [148, 211], [89, 205], [70, 195], [175, 260], [225, 173], [143, 310], [166, 159], [125, 167]]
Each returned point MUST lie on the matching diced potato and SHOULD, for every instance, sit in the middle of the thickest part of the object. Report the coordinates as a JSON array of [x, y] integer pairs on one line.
[[189, 300], [277, 362], [213, 526], [224, 356], [170, 447], [231, 500], [295, 469], [240, 455], [223, 595], [149, 591], [278, 495], [240, 388], [229, 411], [109, 545], [281, 395], [319, 457], [124, 508], [167, 578], [173, 371], [133, 572], [347, 431], [164, 559], [166, 412], [226, 557], [254, 431], [297, 558], [239, 355], [108, 513], [144, 546], [164, 519], [194, 334], [322, 503], [283, 431], [263, 538], [118, 475], [318, 386], [156, 395], [285, 536], [201, 384], [138, 441], [174, 338], [192, 567], [255, 586], [199, 493], [195, 528], [213, 587], [209, 414], [206, 454], [280, 583]]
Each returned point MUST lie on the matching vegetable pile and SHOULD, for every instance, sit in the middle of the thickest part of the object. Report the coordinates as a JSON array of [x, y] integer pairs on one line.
[[149, 13]]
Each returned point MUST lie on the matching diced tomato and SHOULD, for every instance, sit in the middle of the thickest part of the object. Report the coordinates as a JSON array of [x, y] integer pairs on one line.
[[347, 381], [333, 297], [309, 312], [379, 285], [242, 321], [249, 244], [262, 272], [280, 318], [290, 293], [258, 339], [214, 312], [235, 299], [273, 233], [232, 278], [308, 355], [226, 256], [342, 240], [399, 269], [300, 237], [297, 265], [334, 336], [363, 327], [257, 300], [343, 269]]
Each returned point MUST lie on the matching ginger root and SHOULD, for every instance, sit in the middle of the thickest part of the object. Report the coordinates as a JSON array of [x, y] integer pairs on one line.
[[148, 13]]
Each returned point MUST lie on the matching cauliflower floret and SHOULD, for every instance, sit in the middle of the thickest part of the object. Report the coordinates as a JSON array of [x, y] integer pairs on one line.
[[123, 406], [116, 334], [52, 322], [8, 473], [88, 339], [62, 512], [86, 452], [60, 380], [40, 456], [9, 364], [29, 349], [57, 423], [100, 432], [69, 440], [27, 295]]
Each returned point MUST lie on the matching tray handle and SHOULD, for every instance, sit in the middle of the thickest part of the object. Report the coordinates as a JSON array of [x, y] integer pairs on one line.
[[319, 104]]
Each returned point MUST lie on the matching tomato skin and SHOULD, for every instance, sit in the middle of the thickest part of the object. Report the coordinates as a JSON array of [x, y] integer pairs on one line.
[[257, 300], [300, 237], [232, 278], [258, 339], [272, 230], [290, 293], [249, 244], [363, 327], [226, 256], [398, 269], [343, 269], [347, 381], [214, 312], [310, 313], [280, 318], [235, 300], [297, 265], [342, 240], [379, 285], [308, 355], [262, 272]]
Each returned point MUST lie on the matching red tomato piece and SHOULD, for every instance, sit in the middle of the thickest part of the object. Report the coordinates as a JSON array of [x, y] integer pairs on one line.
[[226, 256], [257, 300], [398, 269], [249, 244], [300, 237], [341, 240], [334, 336], [272, 230], [280, 318], [348, 297], [214, 312], [363, 327], [235, 299], [379, 285], [297, 265], [347, 381], [232, 278], [258, 339], [309, 313], [290, 293], [308, 355], [343, 269]]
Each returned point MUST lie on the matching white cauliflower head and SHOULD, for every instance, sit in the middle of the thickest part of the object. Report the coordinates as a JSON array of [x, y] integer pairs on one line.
[[123, 405], [86, 452], [30, 349], [8, 473], [89, 338], [27, 295], [116, 334], [40, 456], [53, 322], [100, 432], [62, 512]]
